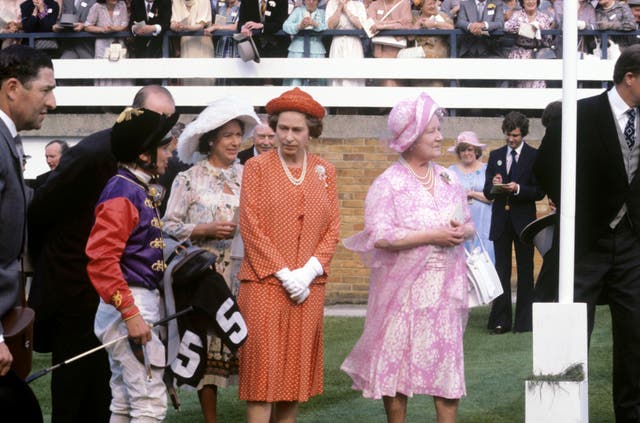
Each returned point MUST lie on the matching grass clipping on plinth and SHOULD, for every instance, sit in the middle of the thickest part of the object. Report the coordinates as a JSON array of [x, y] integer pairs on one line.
[[573, 373]]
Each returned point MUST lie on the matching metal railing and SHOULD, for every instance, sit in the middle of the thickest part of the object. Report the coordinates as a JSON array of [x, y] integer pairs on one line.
[[453, 34]]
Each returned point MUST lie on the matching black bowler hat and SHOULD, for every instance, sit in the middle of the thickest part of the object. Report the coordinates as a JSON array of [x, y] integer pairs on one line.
[[18, 403], [139, 130], [540, 233]]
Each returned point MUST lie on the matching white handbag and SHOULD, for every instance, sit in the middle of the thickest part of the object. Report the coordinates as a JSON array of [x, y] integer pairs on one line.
[[484, 283], [389, 40], [411, 53]]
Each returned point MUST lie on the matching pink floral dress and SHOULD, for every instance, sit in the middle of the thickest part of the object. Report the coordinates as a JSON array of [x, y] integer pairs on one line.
[[417, 309]]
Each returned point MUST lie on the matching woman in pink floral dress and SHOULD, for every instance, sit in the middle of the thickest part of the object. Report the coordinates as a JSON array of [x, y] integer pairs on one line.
[[416, 220]]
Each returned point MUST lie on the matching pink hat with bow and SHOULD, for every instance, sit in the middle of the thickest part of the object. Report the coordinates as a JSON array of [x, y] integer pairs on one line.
[[408, 120], [467, 137]]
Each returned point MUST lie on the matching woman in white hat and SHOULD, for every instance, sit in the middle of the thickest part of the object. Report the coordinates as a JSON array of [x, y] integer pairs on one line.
[[202, 208], [470, 171]]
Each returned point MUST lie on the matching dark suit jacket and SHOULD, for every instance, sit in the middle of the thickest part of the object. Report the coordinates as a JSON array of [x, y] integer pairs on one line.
[[60, 219], [39, 181], [276, 13], [31, 23], [245, 155], [174, 167], [474, 45], [522, 206], [149, 47], [602, 185], [13, 211]]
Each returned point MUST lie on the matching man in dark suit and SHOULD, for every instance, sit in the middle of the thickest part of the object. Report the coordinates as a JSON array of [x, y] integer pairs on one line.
[[510, 183], [153, 18], [264, 140], [26, 95], [607, 221], [53, 151], [479, 19], [60, 219], [267, 16]]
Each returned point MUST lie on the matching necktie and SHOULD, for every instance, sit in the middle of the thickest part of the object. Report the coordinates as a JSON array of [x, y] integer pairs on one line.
[[149, 7], [513, 164], [630, 128], [18, 142], [263, 8], [480, 9]]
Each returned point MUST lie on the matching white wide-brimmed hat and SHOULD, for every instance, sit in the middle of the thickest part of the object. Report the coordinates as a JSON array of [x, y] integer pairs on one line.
[[214, 116]]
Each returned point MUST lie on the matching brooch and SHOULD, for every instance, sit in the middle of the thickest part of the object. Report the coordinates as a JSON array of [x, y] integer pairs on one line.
[[499, 163], [445, 177], [322, 174], [491, 6]]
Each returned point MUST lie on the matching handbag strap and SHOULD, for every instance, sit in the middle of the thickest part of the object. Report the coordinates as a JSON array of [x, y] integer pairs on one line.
[[386, 15], [475, 235]]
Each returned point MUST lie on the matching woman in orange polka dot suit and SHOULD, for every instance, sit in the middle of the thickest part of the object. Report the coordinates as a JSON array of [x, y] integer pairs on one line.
[[289, 222]]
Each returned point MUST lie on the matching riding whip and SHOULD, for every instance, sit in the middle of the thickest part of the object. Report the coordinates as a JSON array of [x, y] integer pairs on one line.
[[43, 372]]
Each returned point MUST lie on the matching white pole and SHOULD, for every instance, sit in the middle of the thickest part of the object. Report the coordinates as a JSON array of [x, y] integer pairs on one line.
[[568, 177]]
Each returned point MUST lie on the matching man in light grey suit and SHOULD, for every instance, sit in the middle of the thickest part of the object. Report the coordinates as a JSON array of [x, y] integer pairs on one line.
[[479, 19], [78, 48], [26, 95]]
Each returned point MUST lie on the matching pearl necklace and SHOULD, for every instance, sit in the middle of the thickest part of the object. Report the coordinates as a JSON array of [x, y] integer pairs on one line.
[[294, 181], [426, 180]]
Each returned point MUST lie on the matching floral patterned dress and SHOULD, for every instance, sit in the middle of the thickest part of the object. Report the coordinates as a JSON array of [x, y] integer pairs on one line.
[[197, 196], [417, 309], [524, 47]]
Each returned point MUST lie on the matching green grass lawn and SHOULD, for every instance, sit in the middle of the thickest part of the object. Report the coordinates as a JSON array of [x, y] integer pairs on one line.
[[496, 368]]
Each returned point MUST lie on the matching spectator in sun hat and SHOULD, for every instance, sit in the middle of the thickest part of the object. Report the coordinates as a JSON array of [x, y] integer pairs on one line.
[[470, 170]]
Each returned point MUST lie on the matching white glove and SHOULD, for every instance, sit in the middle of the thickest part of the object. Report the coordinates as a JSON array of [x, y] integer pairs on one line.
[[291, 283], [299, 299], [311, 270], [581, 25]]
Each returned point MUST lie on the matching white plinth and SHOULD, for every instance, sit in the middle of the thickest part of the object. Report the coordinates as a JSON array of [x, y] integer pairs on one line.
[[559, 341], [559, 402]]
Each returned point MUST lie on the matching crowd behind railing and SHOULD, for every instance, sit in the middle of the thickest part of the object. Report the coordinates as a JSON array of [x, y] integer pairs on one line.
[[115, 29]]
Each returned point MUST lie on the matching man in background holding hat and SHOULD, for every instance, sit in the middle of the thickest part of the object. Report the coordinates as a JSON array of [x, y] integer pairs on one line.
[[26, 95], [510, 183], [60, 219], [268, 17], [607, 217]]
